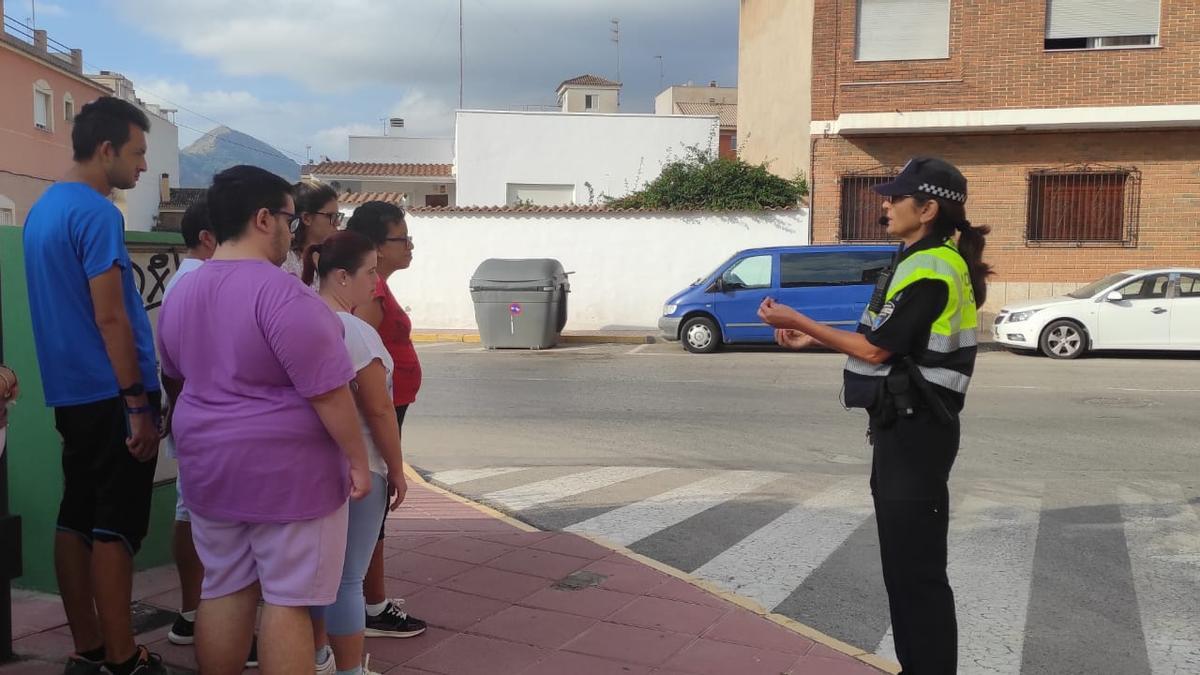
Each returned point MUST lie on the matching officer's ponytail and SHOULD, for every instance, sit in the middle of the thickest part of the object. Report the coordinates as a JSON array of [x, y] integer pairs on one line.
[[952, 217]]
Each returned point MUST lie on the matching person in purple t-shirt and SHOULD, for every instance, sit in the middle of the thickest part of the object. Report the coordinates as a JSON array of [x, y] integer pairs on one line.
[[266, 431]]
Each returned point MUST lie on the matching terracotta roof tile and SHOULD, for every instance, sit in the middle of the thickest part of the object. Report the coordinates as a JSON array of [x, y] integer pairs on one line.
[[726, 111], [356, 198], [381, 169], [569, 208], [589, 81]]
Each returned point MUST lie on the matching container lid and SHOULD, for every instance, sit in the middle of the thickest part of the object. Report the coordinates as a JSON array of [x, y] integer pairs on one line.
[[534, 271]]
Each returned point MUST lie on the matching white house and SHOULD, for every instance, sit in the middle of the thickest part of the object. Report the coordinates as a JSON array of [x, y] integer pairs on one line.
[[398, 183], [140, 205], [555, 158]]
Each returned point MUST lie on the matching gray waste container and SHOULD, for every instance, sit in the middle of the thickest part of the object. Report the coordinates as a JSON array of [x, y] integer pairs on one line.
[[520, 304]]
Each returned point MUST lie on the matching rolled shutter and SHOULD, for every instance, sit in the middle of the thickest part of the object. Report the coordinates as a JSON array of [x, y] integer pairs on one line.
[[903, 30], [1101, 18]]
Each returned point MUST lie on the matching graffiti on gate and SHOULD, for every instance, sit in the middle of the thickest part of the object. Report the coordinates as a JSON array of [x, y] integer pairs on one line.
[[152, 269]]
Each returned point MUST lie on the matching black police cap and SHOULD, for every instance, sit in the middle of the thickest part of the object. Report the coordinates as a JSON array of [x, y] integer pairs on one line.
[[928, 176]]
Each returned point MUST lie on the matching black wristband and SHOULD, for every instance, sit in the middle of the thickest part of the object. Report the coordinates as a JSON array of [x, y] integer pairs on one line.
[[137, 389]]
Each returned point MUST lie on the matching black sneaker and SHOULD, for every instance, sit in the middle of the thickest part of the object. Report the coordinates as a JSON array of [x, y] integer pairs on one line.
[[183, 632], [148, 663], [393, 622], [77, 665]]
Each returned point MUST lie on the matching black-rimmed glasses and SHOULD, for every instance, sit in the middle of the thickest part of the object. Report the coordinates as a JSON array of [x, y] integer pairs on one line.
[[293, 220]]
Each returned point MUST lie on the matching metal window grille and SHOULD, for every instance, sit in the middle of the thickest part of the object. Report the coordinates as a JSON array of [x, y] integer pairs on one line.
[[862, 207], [1084, 205]]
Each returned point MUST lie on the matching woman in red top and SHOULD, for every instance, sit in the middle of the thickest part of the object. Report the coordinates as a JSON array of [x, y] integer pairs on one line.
[[384, 225]]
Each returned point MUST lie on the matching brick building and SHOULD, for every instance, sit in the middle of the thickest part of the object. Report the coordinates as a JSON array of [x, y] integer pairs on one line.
[[43, 87], [1076, 122]]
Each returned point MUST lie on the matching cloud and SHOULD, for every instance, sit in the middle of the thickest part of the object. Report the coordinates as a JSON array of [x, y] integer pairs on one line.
[[516, 52], [51, 9], [345, 60]]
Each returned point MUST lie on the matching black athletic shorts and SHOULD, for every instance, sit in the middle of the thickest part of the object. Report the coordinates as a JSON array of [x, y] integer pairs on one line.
[[106, 492], [401, 410]]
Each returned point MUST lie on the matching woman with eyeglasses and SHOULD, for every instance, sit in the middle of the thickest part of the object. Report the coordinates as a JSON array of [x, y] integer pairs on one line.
[[317, 217], [385, 226]]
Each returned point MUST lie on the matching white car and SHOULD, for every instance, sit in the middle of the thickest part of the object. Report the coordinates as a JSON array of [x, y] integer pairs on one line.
[[1138, 309]]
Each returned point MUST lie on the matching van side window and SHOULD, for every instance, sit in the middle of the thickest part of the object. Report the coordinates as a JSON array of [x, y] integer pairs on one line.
[[847, 268], [752, 272]]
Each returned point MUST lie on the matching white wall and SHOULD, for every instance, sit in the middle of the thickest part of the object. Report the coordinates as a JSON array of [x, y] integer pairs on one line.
[[626, 264], [397, 149], [140, 205], [617, 154]]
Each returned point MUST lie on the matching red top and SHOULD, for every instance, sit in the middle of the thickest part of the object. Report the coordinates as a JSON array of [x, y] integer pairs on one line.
[[396, 331]]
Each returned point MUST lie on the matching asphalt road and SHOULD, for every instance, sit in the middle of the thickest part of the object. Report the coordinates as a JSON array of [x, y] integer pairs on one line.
[[1075, 536]]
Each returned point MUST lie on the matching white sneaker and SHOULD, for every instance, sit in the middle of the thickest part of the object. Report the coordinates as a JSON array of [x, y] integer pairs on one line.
[[328, 666]]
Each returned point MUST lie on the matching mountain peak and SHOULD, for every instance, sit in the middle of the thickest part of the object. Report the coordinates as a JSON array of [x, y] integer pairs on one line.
[[224, 147]]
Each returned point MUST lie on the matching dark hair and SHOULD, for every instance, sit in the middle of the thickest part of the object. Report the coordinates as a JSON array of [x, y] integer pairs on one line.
[[310, 196], [105, 119], [952, 216], [237, 194], [373, 219], [195, 221], [343, 250]]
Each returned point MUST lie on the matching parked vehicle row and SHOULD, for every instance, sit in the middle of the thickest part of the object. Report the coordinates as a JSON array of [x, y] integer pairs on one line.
[[1133, 310]]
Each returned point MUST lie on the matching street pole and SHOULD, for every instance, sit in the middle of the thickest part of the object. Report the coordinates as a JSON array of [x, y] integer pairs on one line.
[[460, 54], [660, 72], [616, 39]]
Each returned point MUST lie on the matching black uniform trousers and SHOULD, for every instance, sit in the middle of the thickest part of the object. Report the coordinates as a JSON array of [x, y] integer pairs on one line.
[[910, 469]]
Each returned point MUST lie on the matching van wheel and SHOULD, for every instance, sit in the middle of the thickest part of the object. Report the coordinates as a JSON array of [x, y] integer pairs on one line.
[[1064, 340], [700, 336]]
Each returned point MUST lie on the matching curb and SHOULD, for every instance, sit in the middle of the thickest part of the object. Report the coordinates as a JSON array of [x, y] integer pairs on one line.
[[704, 585], [473, 338]]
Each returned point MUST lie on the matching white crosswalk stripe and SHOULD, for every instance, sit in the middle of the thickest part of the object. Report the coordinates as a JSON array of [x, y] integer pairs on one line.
[[456, 476], [993, 544], [525, 496], [1163, 532], [993, 535], [641, 519], [768, 565]]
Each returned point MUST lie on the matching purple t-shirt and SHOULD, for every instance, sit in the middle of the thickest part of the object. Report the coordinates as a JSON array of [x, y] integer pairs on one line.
[[252, 344]]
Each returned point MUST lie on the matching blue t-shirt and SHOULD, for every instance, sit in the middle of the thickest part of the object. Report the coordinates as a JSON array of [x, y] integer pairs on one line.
[[72, 235]]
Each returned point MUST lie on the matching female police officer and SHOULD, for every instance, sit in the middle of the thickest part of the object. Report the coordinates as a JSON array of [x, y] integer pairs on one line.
[[910, 364]]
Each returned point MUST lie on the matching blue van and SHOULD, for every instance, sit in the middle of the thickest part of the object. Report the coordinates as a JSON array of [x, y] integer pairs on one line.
[[831, 284]]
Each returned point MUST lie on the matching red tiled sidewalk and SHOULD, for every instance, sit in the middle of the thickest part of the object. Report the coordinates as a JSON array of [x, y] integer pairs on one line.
[[501, 600]]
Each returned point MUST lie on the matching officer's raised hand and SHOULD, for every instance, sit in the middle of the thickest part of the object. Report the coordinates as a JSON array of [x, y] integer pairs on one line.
[[777, 315]]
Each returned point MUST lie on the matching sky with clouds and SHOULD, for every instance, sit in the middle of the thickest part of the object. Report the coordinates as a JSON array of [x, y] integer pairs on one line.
[[300, 73]]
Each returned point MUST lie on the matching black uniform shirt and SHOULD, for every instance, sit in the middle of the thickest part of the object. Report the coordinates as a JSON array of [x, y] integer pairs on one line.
[[912, 458]]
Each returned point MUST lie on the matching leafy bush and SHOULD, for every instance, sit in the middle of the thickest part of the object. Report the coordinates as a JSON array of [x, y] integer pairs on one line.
[[702, 182]]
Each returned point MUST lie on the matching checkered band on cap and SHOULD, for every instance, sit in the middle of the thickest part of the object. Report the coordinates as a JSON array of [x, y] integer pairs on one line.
[[943, 193]]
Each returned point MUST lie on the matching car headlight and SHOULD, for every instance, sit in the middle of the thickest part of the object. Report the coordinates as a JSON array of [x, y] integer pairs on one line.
[[668, 310], [1016, 317]]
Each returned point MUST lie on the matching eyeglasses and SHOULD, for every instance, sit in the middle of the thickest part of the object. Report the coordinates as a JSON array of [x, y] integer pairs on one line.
[[408, 241], [293, 220], [335, 217]]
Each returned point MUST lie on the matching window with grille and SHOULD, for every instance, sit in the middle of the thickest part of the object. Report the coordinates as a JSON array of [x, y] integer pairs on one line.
[[861, 208], [1083, 206]]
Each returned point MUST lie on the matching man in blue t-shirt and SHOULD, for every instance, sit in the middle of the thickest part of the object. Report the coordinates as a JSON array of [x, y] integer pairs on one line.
[[100, 374]]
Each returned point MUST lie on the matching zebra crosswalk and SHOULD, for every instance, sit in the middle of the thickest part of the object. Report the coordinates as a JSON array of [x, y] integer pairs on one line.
[[1049, 576]]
